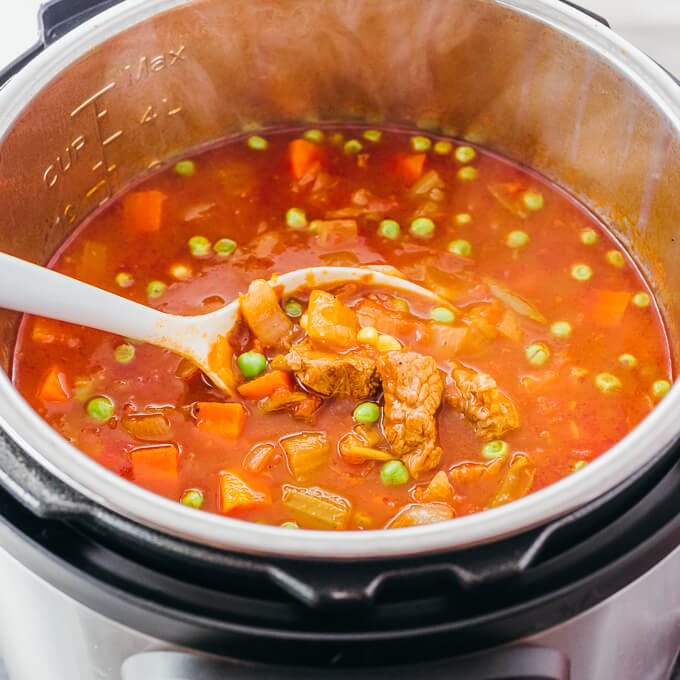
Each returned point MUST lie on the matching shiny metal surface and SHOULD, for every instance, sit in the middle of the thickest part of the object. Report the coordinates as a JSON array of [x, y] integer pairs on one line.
[[633, 635], [532, 79]]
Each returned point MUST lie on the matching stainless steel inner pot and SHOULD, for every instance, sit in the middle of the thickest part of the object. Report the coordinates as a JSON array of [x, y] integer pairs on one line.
[[535, 80]]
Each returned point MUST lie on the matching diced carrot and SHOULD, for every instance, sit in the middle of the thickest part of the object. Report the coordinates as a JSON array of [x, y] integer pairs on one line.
[[155, 463], [54, 387], [265, 385], [143, 210], [409, 166], [224, 419], [301, 155], [93, 260], [608, 306], [237, 493]]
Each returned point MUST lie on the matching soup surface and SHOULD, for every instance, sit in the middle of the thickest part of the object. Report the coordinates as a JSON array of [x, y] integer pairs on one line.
[[357, 407]]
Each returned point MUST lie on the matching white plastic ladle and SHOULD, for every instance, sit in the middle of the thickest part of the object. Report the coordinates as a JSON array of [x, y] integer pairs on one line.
[[28, 287]]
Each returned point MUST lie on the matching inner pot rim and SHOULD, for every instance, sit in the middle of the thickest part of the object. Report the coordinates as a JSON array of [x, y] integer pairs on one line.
[[654, 435]]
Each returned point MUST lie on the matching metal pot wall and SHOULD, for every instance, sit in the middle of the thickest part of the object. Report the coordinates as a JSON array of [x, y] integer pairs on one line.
[[535, 80]]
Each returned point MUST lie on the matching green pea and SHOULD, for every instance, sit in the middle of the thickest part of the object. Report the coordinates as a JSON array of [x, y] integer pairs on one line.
[[465, 154], [467, 173], [607, 383], [251, 364], [628, 360], [124, 354], [290, 525], [532, 200], [199, 246], [581, 272], [561, 329], [125, 280], [537, 353], [293, 308], [389, 229], [420, 144], [296, 218], [185, 168], [589, 237], [660, 389], [615, 258], [193, 498], [422, 226], [517, 239], [337, 138], [641, 300], [99, 408], [442, 148], [368, 412], [495, 449], [394, 473], [463, 219], [257, 143], [315, 136], [442, 315], [155, 289], [353, 146], [460, 247], [224, 247], [372, 135]]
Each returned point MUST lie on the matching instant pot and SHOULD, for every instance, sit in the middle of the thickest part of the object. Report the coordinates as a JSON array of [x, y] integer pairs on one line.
[[103, 580]]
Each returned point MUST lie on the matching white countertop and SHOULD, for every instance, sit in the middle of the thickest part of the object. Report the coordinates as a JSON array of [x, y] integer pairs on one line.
[[652, 25]]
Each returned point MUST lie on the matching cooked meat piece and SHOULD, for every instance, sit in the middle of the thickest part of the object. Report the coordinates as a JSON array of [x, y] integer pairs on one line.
[[477, 397], [413, 388], [352, 376], [263, 314], [331, 323]]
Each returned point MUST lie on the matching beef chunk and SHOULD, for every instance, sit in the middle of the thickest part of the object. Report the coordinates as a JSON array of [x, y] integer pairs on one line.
[[263, 314], [352, 375], [477, 397], [413, 388]]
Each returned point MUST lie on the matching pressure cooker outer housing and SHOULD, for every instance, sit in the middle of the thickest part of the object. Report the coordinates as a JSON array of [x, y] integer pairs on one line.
[[537, 81]]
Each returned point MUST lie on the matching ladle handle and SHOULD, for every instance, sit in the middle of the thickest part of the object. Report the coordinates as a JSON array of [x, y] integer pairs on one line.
[[28, 287]]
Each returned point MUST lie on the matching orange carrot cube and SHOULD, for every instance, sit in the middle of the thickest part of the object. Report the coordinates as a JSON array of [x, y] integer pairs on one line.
[[143, 210], [265, 385], [224, 419], [409, 166], [155, 463], [54, 386], [301, 156], [237, 493]]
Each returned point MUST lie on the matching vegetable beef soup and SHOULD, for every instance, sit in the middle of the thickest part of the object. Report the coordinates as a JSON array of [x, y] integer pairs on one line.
[[353, 407]]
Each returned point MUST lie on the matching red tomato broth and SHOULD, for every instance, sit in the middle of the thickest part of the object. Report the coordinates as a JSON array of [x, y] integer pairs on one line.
[[243, 194]]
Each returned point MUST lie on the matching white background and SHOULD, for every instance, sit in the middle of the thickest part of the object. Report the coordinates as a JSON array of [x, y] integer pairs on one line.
[[652, 25]]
